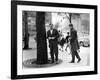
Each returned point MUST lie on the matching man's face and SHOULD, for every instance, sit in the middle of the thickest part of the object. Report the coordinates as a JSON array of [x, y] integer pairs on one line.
[[51, 26], [71, 27]]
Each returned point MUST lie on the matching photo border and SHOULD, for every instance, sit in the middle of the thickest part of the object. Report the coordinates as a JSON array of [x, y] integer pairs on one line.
[[14, 39]]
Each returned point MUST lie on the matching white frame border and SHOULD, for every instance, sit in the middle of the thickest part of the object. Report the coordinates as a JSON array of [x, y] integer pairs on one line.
[[21, 71]]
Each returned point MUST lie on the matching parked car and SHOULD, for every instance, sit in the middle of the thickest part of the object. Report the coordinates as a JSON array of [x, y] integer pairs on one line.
[[84, 41]]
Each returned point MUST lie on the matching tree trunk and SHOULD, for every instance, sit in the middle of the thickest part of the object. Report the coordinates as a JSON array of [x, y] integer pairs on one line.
[[42, 57], [70, 18], [26, 36]]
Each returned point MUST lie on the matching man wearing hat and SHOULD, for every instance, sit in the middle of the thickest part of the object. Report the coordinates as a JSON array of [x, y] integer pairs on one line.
[[74, 44], [52, 36]]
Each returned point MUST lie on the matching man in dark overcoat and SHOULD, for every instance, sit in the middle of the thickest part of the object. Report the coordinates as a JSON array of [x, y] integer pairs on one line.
[[74, 44], [52, 36]]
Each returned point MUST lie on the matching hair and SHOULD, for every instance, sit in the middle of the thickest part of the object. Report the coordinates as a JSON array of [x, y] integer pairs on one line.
[[67, 32], [71, 24], [51, 24]]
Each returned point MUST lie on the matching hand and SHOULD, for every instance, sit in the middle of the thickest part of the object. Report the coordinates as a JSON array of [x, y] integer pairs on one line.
[[52, 37]]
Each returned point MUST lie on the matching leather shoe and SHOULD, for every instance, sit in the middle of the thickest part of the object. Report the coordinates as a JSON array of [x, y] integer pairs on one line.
[[78, 60]]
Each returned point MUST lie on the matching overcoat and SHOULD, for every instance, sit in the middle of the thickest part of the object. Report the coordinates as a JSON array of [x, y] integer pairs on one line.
[[74, 40]]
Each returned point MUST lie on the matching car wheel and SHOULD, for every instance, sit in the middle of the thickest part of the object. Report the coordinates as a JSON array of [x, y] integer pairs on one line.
[[88, 45], [82, 44]]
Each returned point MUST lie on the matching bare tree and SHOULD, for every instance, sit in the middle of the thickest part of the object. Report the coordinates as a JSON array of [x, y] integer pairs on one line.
[[69, 16]]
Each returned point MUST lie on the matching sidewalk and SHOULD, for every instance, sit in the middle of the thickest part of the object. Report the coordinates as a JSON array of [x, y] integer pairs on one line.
[[64, 58]]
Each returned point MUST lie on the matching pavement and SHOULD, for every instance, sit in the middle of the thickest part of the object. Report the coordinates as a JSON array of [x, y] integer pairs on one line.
[[64, 57]]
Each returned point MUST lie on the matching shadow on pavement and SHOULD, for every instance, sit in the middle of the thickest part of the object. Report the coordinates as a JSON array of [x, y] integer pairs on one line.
[[31, 63]]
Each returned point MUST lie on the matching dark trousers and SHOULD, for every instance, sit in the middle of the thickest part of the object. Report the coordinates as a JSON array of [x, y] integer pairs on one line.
[[54, 51], [75, 53]]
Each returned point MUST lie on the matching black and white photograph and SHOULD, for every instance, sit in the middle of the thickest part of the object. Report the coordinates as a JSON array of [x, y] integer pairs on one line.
[[67, 36], [53, 40]]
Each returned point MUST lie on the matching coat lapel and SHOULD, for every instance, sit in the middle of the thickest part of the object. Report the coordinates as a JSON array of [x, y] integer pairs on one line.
[[52, 32]]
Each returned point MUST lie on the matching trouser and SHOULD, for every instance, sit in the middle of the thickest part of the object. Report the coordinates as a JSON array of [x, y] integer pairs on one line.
[[75, 53], [54, 51]]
